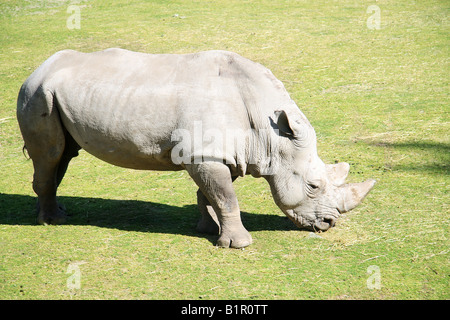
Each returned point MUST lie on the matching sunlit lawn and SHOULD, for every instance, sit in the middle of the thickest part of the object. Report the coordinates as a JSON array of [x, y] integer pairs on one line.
[[378, 99]]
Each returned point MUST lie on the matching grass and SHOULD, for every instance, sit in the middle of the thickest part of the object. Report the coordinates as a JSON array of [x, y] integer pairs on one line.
[[378, 99]]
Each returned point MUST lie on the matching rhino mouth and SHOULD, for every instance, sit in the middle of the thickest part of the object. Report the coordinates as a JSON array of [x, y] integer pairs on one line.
[[324, 223], [319, 224]]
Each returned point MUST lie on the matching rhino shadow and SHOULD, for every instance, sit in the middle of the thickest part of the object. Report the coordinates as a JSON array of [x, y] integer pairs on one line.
[[437, 154], [130, 215]]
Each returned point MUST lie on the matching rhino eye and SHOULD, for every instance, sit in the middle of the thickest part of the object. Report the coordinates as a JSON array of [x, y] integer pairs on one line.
[[313, 187]]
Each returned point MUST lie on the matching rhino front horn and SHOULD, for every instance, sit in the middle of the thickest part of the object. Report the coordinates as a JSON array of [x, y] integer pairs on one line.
[[352, 194]]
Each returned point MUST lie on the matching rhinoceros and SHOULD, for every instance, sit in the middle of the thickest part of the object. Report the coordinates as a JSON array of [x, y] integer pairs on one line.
[[215, 114]]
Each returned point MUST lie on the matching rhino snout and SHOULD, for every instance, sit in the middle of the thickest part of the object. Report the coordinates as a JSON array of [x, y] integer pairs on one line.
[[319, 223], [324, 223]]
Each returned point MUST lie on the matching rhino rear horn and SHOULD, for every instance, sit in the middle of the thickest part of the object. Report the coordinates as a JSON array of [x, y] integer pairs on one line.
[[337, 173], [351, 195]]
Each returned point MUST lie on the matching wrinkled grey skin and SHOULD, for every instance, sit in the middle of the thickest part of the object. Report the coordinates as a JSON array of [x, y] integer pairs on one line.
[[125, 108]]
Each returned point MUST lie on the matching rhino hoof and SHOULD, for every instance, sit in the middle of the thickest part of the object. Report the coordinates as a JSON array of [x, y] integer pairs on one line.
[[56, 218], [235, 240]]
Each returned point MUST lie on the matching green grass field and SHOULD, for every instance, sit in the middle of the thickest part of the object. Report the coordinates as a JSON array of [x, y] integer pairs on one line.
[[378, 99]]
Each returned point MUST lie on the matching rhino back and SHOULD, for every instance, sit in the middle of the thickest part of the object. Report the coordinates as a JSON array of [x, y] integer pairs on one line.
[[123, 106]]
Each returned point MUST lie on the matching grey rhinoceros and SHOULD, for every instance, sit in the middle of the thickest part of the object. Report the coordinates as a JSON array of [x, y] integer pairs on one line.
[[214, 114]]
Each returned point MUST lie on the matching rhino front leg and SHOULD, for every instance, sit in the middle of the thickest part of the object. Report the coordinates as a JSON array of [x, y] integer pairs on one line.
[[209, 223], [215, 183]]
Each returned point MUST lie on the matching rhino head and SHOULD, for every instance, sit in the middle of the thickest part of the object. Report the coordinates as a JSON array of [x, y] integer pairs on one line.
[[311, 193]]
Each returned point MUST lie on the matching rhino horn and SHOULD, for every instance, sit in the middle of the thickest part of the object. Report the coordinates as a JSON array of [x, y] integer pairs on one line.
[[351, 195], [337, 173]]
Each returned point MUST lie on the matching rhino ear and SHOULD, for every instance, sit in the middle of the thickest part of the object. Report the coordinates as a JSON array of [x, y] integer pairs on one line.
[[282, 122], [337, 173], [288, 125]]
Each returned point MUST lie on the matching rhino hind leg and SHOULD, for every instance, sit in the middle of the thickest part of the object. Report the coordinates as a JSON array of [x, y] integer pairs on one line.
[[45, 184], [52, 215], [70, 151], [45, 142], [215, 183]]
